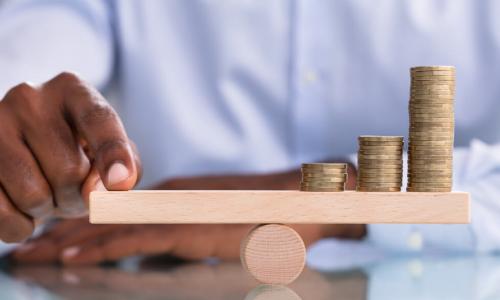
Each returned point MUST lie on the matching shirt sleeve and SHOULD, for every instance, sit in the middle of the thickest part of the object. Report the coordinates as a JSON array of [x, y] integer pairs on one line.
[[41, 38], [477, 171]]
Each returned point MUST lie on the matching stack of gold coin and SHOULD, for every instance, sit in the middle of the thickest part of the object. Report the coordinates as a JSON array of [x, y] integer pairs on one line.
[[323, 177], [431, 133], [380, 164]]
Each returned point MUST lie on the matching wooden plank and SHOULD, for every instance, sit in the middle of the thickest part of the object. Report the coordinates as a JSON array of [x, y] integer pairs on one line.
[[256, 207]]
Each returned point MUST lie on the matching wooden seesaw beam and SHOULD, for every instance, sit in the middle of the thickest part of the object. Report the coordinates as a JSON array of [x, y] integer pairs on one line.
[[288, 207]]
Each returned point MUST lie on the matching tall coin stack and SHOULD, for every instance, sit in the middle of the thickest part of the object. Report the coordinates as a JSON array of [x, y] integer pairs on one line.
[[431, 133], [380, 164], [323, 177]]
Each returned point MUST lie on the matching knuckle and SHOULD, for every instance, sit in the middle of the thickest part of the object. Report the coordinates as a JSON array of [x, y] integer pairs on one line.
[[112, 146], [21, 92], [67, 78], [72, 173], [98, 113], [34, 200]]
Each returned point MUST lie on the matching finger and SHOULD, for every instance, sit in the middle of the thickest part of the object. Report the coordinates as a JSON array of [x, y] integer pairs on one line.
[[58, 153], [22, 178], [117, 245], [14, 226], [45, 248], [48, 247], [93, 182], [100, 126]]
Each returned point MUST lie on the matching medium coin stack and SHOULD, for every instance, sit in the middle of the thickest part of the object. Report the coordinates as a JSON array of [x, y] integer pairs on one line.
[[380, 164], [431, 133], [323, 177]]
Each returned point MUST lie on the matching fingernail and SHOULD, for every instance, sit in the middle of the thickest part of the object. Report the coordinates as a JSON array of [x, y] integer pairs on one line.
[[99, 186], [117, 173], [24, 248], [70, 252]]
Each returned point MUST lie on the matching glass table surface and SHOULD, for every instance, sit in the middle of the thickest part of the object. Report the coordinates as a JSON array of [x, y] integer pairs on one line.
[[354, 276]]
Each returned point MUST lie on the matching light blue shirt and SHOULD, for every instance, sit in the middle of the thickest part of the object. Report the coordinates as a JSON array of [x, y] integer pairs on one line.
[[258, 86]]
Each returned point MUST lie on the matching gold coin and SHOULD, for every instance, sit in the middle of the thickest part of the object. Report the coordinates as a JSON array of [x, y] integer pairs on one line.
[[440, 172], [415, 104], [379, 172], [431, 143], [368, 181], [323, 175], [432, 68], [430, 107], [429, 190], [428, 168], [364, 189], [382, 147], [433, 73], [375, 138], [441, 159], [324, 165], [417, 121], [434, 99], [429, 185], [430, 93], [446, 115], [433, 78], [369, 143], [320, 180], [380, 152], [417, 139], [444, 85], [378, 184], [379, 156], [432, 88], [422, 153], [430, 150], [432, 129], [378, 165], [322, 189], [336, 185], [430, 181], [362, 174], [426, 135]]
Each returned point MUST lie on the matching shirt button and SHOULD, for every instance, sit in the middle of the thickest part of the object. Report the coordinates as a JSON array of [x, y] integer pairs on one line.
[[310, 76], [415, 241]]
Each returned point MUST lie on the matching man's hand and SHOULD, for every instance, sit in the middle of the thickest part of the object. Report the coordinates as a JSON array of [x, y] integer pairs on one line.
[[78, 242], [57, 142]]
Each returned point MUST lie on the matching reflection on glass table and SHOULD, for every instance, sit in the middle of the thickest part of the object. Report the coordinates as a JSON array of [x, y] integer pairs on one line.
[[457, 277]]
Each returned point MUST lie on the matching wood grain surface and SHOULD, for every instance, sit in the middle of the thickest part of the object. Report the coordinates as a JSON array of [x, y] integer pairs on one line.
[[257, 207]]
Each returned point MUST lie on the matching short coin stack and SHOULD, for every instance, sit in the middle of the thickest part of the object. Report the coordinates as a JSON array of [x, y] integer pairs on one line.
[[431, 133], [323, 177], [380, 164]]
